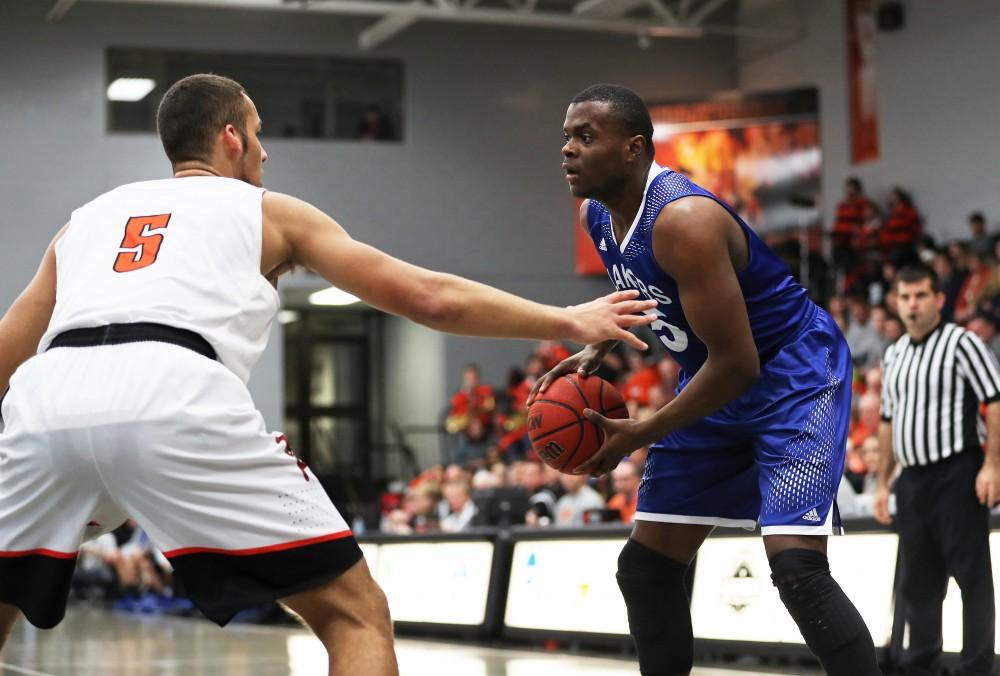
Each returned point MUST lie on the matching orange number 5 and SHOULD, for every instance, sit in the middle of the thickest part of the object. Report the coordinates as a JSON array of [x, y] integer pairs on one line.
[[141, 243]]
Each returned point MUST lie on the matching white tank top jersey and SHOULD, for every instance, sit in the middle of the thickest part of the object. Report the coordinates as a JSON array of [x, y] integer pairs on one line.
[[184, 252]]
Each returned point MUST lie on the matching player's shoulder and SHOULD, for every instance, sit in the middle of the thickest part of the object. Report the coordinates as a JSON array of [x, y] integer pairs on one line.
[[694, 218]]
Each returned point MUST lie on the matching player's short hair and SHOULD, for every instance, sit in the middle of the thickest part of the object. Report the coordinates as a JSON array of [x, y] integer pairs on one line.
[[627, 107], [917, 272], [194, 110], [855, 183], [977, 217]]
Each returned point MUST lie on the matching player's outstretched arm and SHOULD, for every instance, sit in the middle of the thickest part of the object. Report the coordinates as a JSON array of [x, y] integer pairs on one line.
[[438, 300], [691, 242], [23, 326]]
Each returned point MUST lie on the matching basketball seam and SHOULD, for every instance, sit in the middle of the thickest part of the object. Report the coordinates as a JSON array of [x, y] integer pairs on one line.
[[582, 395], [558, 429], [579, 417]]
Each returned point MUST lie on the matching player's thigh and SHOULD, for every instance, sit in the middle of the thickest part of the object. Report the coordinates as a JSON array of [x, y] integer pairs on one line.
[[352, 597], [676, 541]]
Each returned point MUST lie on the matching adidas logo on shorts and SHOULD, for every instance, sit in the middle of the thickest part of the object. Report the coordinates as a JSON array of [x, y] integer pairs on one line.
[[811, 515], [602, 246]]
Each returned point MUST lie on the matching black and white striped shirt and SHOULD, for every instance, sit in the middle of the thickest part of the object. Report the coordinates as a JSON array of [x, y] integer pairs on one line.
[[931, 391]]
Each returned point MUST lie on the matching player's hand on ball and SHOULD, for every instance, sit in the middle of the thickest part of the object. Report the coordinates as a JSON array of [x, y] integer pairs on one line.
[[621, 437], [610, 317], [583, 363]]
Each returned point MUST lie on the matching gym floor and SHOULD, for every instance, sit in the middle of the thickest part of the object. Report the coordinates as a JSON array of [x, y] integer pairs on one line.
[[96, 642]]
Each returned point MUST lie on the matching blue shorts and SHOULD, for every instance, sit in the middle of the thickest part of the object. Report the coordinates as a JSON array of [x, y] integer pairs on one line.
[[775, 455]]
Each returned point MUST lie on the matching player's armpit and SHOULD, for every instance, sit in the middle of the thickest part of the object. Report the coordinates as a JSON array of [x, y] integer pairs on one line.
[[23, 326]]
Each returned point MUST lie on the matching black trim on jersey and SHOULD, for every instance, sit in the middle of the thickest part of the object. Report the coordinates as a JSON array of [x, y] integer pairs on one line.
[[138, 332], [221, 585], [38, 585]]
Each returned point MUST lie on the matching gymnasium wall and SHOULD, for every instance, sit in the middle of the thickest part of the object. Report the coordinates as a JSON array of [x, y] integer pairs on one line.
[[475, 188], [938, 98]]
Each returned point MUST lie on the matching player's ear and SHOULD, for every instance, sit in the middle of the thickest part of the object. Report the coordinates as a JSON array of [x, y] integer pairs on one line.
[[636, 148], [231, 139]]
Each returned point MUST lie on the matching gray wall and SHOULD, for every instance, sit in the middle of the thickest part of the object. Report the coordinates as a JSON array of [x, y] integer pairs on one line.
[[938, 97], [474, 189]]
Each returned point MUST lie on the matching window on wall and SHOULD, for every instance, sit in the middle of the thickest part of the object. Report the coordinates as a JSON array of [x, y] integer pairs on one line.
[[296, 96]]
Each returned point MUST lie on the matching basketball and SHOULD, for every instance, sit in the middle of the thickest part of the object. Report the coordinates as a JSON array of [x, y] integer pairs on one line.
[[559, 433]]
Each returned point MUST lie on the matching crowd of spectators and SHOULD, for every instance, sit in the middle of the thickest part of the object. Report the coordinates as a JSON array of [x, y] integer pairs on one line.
[[491, 460]]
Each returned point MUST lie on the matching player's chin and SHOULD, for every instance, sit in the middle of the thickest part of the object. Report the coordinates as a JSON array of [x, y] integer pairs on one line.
[[580, 191]]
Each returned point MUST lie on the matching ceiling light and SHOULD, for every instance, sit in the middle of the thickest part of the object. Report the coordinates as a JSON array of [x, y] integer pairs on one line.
[[332, 296], [130, 88]]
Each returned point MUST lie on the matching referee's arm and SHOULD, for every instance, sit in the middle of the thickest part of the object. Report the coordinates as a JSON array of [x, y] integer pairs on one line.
[[988, 479], [886, 459], [979, 368], [886, 467]]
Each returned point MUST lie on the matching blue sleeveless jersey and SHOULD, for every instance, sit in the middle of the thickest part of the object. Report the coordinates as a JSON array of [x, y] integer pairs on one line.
[[777, 305]]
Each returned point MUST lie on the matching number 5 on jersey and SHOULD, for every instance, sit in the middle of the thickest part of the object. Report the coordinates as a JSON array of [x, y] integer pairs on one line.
[[141, 243]]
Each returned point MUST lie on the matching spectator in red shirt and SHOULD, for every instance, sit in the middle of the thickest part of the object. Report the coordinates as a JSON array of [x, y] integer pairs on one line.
[[640, 379], [847, 224], [901, 230], [974, 286], [551, 352], [470, 416]]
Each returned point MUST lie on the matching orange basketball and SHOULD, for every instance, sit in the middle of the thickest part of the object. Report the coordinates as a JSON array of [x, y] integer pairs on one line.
[[559, 433]]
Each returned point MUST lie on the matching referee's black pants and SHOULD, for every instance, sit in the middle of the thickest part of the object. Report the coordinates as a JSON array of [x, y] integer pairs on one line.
[[944, 532]]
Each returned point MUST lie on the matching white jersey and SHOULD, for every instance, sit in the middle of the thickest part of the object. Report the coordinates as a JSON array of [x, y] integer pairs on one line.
[[184, 252]]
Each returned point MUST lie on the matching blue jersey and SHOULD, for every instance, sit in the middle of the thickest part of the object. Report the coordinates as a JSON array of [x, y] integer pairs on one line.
[[777, 305]]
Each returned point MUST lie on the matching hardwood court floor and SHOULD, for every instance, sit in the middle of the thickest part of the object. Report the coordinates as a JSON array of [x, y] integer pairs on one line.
[[93, 642]]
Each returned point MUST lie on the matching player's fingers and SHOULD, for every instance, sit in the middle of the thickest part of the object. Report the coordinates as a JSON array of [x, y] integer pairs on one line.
[[596, 418], [586, 467], [635, 320], [538, 388], [633, 306], [982, 491], [633, 340], [619, 296]]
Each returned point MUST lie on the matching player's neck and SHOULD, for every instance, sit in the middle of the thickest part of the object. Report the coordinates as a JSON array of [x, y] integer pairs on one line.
[[200, 168], [625, 200]]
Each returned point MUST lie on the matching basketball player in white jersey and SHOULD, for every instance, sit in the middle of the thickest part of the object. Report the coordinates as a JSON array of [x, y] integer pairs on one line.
[[147, 313]]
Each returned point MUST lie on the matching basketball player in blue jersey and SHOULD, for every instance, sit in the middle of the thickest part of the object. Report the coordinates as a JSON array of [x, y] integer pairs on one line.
[[758, 430]]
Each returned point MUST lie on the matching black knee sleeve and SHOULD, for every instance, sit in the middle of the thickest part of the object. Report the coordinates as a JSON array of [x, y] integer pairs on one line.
[[658, 614], [829, 622]]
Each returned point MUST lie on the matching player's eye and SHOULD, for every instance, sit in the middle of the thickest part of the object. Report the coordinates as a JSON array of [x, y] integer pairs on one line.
[[587, 138]]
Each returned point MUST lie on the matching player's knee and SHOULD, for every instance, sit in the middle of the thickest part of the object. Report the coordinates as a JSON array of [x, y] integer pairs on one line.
[[378, 610], [829, 622], [658, 614]]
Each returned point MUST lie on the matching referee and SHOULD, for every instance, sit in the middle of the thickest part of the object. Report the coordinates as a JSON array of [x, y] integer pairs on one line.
[[934, 379]]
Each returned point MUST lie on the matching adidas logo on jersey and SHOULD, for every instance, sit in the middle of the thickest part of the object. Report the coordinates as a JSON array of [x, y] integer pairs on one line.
[[602, 246], [811, 515]]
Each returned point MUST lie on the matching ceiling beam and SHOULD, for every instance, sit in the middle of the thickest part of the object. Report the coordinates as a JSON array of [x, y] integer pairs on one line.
[[660, 9], [704, 11], [59, 9], [606, 7], [456, 13], [384, 29]]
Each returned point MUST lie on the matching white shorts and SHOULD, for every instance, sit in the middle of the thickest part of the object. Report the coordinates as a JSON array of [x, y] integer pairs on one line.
[[166, 436]]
